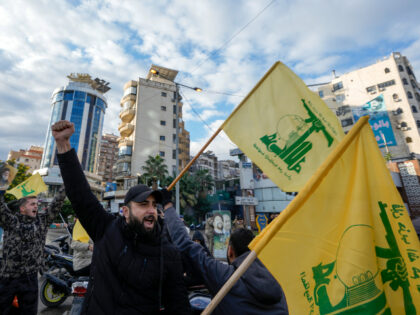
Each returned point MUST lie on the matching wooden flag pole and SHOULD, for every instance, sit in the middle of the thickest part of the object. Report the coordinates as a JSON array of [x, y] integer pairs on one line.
[[193, 160], [230, 283]]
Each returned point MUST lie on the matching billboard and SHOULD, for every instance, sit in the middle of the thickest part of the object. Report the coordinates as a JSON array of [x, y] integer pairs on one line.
[[379, 120]]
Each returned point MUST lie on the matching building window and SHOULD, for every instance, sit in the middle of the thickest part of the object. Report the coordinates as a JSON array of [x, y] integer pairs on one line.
[[408, 140], [162, 138], [409, 94], [174, 123], [125, 150], [163, 108], [409, 71], [413, 84], [174, 109], [403, 124], [385, 84], [418, 123], [405, 82], [321, 93], [340, 97], [400, 68], [371, 88], [162, 153], [174, 138], [417, 96], [163, 94], [347, 122], [163, 123], [130, 90], [414, 108], [68, 95], [395, 97], [387, 70], [337, 86], [174, 154]]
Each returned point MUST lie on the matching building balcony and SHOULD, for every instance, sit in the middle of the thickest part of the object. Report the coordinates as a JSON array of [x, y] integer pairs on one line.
[[124, 142], [125, 129], [127, 114], [129, 97]]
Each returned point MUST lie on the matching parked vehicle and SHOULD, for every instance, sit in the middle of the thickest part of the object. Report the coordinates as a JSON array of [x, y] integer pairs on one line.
[[78, 290], [58, 281]]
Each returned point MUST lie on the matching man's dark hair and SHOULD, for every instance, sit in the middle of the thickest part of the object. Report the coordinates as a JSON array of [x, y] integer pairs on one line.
[[23, 201], [239, 240]]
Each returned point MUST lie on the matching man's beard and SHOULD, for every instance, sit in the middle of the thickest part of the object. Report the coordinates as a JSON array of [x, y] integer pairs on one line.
[[143, 234]]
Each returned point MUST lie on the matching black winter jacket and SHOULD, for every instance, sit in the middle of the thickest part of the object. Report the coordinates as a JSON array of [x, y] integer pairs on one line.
[[126, 274]]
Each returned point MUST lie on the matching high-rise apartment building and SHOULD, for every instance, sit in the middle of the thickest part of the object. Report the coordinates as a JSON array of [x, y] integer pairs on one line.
[[107, 156], [82, 102], [31, 157], [148, 121], [387, 91], [207, 161]]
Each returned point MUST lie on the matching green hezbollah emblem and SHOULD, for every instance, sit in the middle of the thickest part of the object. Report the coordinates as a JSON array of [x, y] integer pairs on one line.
[[355, 274], [24, 191], [295, 146]]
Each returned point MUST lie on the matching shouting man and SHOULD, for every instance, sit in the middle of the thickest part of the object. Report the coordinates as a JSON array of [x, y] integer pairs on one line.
[[134, 270], [25, 231]]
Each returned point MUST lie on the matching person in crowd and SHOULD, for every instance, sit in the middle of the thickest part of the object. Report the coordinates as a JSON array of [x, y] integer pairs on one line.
[[238, 223], [135, 269], [199, 238], [209, 232], [82, 247], [25, 231], [250, 294]]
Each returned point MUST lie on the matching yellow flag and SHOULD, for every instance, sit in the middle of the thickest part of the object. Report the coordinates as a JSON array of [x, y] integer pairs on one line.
[[30, 187], [285, 128], [79, 233], [346, 244]]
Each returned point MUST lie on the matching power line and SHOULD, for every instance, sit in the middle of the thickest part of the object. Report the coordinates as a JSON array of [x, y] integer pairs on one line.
[[202, 120], [231, 38]]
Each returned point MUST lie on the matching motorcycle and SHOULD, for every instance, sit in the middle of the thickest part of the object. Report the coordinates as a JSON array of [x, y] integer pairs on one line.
[[58, 279], [62, 244], [78, 290]]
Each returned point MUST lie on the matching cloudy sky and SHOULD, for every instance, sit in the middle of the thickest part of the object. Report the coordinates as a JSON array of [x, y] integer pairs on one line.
[[222, 46]]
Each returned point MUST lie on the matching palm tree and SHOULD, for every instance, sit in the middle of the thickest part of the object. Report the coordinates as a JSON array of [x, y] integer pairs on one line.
[[187, 190], [155, 170], [205, 182]]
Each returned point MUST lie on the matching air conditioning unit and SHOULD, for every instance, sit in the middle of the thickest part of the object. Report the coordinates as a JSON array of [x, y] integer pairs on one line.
[[399, 126], [404, 128], [381, 89]]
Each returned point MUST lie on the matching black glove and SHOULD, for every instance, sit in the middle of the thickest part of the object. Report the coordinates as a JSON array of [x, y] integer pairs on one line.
[[166, 196]]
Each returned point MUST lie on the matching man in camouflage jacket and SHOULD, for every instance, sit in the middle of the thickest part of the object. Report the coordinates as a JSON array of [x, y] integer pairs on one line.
[[25, 231]]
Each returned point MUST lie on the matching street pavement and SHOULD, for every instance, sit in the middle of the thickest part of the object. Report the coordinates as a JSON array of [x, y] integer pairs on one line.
[[66, 306]]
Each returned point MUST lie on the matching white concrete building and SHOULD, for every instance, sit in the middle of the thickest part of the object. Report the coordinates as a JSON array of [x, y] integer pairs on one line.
[[148, 118], [389, 92]]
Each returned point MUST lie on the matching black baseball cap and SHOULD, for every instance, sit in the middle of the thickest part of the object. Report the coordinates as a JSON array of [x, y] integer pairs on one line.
[[140, 193]]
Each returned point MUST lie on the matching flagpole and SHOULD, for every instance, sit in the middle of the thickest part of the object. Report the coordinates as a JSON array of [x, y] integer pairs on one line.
[[269, 231], [193, 160], [230, 283]]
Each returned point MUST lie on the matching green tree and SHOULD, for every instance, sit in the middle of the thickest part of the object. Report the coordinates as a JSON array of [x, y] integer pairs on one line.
[[155, 170], [21, 175], [205, 182], [187, 190]]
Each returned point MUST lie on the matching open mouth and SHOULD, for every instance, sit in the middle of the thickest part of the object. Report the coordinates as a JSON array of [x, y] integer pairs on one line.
[[149, 221], [34, 212]]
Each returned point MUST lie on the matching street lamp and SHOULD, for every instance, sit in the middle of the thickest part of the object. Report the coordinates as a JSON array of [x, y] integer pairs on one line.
[[177, 85]]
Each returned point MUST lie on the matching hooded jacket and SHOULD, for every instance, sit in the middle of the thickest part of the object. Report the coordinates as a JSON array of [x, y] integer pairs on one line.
[[256, 292], [127, 275]]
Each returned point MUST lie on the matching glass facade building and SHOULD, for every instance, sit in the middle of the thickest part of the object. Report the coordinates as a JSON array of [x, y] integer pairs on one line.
[[84, 106]]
